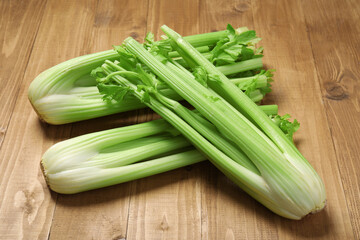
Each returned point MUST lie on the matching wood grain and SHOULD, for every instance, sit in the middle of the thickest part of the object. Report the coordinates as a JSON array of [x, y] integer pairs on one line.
[[27, 205], [18, 27], [167, 206], [337, 65], [314, 45]]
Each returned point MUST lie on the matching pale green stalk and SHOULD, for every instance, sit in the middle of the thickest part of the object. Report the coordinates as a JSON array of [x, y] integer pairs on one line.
[[82, 179]]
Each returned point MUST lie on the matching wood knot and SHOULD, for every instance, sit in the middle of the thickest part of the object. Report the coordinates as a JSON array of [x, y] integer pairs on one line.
[[164, 225], [134, 35], [335, 91], [25, 201], [2, 133], [119, 237], [241, 7], [29, 201]]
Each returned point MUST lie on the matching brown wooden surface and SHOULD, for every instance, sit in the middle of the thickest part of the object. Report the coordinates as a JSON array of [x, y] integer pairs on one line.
[[314, 45]]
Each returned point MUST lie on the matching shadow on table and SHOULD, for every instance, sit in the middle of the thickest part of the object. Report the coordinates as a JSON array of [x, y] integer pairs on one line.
[[311, 226], [61, 132]]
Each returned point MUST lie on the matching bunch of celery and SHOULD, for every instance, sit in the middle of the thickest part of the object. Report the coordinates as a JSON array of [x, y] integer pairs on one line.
[[229, 128], [67, 92]]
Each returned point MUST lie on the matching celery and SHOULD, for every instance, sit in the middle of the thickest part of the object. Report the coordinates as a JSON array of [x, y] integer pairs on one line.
[[114, 156], [95, 177], [118, 155], [81, 103], [250, 64], [57, 93], [288, 167], [66, 92], [283, 180], [227, 127]]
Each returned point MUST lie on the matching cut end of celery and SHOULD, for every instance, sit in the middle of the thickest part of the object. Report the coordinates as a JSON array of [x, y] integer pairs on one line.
[[42, 167], [319, 208], [314, 211], [41, 118], [129, 39]]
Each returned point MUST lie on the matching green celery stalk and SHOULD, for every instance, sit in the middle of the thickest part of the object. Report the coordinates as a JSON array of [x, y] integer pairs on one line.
[[250, 64], [269, 109], [75, 180], [201, 49], [94, 177], [256, 95]]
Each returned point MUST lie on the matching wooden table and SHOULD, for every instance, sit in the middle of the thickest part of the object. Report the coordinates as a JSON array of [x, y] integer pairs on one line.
[[315, 47]]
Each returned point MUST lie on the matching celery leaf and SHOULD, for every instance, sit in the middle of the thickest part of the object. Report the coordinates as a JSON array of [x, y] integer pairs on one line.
[[235, 47], [112, 92], [289, 128]]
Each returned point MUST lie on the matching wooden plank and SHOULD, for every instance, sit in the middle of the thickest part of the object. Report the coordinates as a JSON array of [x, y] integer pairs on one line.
[[337, 63], [27, 205], [18, 28], [167, 206], [215, 15], [296, 90], [103, 213], [183, 16], [227, 211]]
